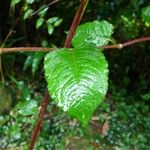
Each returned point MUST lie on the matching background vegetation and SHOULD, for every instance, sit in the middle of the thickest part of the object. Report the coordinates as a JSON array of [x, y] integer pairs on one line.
[[122, 122]]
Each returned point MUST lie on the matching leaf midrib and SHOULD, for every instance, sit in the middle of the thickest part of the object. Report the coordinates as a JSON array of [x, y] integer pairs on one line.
[[75, 69]]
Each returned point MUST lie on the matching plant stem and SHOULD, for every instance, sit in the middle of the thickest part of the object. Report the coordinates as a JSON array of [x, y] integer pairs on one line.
[[45, 6], [131, 42], [37, 128], [25, 49], [3, 44], [76, 22], [41, 49]]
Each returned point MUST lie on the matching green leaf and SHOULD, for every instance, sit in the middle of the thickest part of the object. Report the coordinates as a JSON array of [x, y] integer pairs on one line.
[[36, 61], [52, 20], [28, 63], [44, 43], [95, 32], [24, 90], [39, 22], [77, 80], [50, 29], [58, 22], [146, 14], [27, 107], [146, 97], [42, 13], [27, 13]]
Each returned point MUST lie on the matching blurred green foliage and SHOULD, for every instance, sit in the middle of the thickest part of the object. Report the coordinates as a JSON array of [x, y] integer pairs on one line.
[[146, 15], [126, 107]]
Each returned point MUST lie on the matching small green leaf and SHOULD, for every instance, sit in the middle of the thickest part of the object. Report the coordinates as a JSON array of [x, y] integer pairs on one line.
[[97, 33], [146, 14], [50, 29], [27, 13], [42, 13], [77, 80], [39, 22], [58, 22], [44, 43], [52, 20], [24, 90], [36, 61], [27, 107], [28, 62], [146, 97]]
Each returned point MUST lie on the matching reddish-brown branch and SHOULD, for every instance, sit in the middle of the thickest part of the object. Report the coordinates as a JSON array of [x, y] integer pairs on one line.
[[109, 46], [76, 22], [131, 42], [41, 49], [26, 49], [37, 128], [136, 41]]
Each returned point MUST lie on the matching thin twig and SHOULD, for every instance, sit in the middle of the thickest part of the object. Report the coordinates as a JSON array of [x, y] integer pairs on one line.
[[136, 41], [11, 30], [131, 42], [45, 6], [25, 49], [76, 22], [3, 44], [41, 49]]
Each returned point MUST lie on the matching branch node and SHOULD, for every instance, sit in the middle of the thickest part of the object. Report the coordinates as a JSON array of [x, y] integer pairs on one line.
[[120, 46]]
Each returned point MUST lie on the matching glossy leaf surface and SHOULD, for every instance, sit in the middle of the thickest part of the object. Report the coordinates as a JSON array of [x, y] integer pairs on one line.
[[96, 32], [77, 80]]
